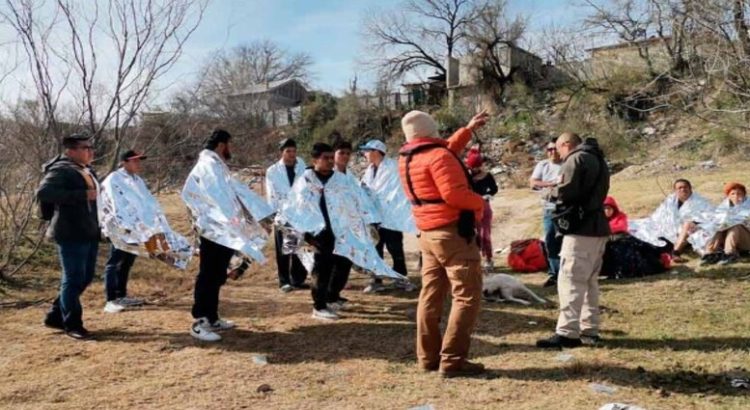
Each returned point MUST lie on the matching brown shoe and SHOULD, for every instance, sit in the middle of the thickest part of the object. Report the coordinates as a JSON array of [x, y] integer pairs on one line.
[[427, 368], [467, 369]]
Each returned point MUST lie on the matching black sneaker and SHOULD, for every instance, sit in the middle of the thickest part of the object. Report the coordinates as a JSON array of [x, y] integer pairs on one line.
[[711, 258], [729, 259], [595, 340], [301, 286], [558, 342], [79, 333], [54, 323], [550, 282]]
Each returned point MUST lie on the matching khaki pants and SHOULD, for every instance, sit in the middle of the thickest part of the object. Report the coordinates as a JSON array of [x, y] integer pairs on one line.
[[578, 285], [731, 241], [448, 264]]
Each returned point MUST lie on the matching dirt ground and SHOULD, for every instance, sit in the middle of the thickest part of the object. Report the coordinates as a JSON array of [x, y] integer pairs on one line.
[[672, 341]]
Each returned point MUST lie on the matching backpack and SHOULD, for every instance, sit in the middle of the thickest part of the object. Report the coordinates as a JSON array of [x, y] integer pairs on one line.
[[527, 255]]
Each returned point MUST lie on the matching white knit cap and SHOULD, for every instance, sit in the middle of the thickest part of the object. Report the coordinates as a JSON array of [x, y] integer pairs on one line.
[[418, 124]]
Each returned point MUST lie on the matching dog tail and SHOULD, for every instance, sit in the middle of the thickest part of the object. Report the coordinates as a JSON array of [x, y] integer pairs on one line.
[[535, 296]]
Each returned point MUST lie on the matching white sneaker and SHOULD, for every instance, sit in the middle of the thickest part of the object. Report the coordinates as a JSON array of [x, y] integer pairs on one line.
[[374, 288], [113, 307], [201, 330], [324, 314], [126, 301], [222, 324]]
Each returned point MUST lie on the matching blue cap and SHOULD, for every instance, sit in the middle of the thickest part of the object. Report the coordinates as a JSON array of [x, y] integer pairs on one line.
[[373, 145]]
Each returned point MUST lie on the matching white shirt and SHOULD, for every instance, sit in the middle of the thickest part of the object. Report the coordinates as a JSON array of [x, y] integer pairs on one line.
[[547, 171]]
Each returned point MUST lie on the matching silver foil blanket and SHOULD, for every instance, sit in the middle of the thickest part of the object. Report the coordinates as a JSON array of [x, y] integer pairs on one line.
[[133, 220], [668, 219], [277, 182], [393, 205], [723, 218], [301, 214], [223, 209]]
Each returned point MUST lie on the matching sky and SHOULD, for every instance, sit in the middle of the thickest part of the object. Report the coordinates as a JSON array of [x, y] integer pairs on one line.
[[328, 30]]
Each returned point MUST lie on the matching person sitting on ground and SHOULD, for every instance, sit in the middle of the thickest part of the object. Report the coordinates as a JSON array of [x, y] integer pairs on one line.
[[626, 256], [676, 220], [729, 230], [618, 220], [483, 183]]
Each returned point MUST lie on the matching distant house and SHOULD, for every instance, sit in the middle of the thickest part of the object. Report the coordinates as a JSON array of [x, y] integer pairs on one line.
[[608, 59], [278, 103]]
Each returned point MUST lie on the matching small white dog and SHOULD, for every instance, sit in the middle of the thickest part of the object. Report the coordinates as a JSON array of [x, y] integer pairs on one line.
[[501, 287]]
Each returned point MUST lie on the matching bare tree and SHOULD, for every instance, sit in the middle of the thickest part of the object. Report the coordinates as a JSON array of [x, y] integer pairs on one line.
[[108, 77], [255, 63], [493, 36], [418, 34]]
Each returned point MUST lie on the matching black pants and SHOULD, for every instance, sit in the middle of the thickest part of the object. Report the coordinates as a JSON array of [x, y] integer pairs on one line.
[[116, 273], [323, 270], [211, 276], [290, 269], [394, 242], [341, 269]]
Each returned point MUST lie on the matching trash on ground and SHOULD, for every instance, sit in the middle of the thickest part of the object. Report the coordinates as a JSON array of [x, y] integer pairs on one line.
[[602, 388]]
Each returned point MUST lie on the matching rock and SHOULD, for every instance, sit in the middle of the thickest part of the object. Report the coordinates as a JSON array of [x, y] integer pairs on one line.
[[710, 164], [264, 388], [423, 407], [649, 131]]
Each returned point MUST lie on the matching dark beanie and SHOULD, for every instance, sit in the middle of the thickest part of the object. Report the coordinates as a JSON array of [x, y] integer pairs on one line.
[[217, 137], [72, 140]]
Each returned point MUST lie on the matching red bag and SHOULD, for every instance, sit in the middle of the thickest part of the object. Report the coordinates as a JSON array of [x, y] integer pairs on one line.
[[527, 255]]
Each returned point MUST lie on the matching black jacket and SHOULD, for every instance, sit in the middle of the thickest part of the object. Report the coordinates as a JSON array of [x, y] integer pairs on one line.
[[75, 218], [584, 181]]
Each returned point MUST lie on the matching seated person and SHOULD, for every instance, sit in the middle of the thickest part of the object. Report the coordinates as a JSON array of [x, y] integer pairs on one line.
[[626, 256], [729, 229], [676, 220], [618, 221]]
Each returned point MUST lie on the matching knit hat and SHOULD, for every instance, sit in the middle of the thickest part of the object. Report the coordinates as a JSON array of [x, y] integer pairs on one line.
[[416, 124], [474, 159]]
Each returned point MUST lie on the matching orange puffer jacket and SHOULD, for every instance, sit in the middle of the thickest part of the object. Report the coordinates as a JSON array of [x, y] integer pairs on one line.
[[436, 174]]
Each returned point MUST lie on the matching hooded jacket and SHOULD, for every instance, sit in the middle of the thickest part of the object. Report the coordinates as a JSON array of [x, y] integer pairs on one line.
[[63, 186], [618, 223], [584, 181]]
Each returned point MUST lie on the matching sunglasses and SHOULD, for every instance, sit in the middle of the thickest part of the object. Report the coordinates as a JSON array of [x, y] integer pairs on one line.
[[551, 149], [85, 147]]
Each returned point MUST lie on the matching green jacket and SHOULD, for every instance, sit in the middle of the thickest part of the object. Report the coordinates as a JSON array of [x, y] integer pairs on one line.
[[584, 181]]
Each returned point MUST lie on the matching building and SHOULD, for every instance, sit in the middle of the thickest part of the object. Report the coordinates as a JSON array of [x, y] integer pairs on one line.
[[608, 60], [276, 103]]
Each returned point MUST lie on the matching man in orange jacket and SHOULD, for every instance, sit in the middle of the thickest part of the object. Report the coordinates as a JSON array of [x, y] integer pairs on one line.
[[446, 210]]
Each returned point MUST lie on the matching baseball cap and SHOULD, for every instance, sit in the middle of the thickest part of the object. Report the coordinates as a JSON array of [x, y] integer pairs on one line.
[[130, 154], [373, 145]]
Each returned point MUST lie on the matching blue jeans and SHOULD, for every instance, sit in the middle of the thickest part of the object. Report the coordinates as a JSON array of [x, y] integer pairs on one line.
[[552, 244], [116, 273], [78, 261]]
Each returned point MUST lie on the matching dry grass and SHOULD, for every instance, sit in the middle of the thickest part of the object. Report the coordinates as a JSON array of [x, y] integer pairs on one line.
[[672, 341]]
